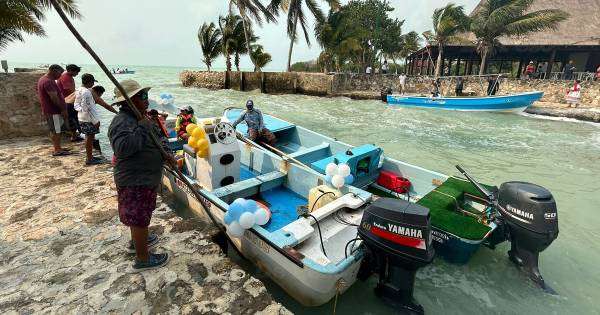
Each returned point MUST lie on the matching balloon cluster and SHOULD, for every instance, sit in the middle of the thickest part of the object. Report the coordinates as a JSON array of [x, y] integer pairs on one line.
[[197, 139], [243, 214], [338, 175], [165, 99]]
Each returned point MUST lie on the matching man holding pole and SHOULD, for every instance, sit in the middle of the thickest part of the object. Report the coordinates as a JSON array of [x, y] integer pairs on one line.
[[137, 172]]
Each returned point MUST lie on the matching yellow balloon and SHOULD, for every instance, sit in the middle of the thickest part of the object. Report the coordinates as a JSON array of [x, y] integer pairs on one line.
[[192, 141], [202, 144], [202, 152], [190, 128], [198, 132]]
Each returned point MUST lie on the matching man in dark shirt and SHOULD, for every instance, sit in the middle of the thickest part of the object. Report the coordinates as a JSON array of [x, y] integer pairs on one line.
[[66, 84], [53, 106], [137, 172], [568, 72], [256, 127]]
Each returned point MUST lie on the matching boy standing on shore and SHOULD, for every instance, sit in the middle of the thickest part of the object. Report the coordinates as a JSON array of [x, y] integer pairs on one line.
[[85, 104]]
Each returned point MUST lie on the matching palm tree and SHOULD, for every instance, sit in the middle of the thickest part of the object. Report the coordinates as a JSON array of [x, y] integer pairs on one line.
[[229, 25], [252, 9], [448, 22], [497, 18], [18, 17], [260, 57], [297, 16], [210, 42]]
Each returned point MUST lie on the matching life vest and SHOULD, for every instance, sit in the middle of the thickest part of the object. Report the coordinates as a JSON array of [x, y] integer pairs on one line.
[[186, 119]]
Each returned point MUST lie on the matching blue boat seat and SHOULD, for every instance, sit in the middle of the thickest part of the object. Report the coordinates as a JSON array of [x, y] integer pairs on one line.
[[273, 124], [363, 162], [249, 187], [310, 154]]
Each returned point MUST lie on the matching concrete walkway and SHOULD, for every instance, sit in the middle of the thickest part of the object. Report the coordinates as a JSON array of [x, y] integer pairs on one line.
[[62, 247]]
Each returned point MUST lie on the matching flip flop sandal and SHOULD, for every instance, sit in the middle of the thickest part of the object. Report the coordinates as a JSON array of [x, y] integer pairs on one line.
[[62, 153]]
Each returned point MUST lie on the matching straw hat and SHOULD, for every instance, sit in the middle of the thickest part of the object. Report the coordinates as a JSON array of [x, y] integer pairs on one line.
[[131, 87]]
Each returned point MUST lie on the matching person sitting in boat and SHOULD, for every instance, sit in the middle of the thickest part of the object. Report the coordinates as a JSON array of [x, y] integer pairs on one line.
[[160, 120], [256, 126], [185, 117], [435, 92]]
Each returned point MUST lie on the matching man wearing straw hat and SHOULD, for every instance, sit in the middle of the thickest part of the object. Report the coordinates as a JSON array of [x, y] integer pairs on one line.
[[137, 172]]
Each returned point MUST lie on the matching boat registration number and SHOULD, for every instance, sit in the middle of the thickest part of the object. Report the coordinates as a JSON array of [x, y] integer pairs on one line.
[[258, 242]]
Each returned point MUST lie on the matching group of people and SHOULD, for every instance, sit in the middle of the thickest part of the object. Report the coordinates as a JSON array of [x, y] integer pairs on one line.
[[139, 145], [531, 72], [385, 68], [72, 110]]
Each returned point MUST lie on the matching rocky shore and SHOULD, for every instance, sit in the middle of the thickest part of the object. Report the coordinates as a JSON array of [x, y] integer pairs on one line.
[[62, 247]]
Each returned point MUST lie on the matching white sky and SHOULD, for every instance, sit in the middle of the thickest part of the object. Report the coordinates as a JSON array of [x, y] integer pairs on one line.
[[152, 32]]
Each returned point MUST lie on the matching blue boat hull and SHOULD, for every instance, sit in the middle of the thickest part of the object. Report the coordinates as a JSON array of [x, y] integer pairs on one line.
[[516, 102]]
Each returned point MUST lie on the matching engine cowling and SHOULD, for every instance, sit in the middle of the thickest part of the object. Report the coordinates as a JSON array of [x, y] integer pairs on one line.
[[531, 216], [397, 235]]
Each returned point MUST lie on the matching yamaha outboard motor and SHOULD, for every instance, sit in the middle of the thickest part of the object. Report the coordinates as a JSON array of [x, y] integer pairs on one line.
[[531, 217], [397, 235]]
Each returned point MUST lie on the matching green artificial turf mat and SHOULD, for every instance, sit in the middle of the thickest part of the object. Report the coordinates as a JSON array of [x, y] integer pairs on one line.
[[442, 209]]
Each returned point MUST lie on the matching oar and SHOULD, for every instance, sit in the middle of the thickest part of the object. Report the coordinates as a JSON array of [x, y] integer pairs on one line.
[[277, 151], [199, 195]]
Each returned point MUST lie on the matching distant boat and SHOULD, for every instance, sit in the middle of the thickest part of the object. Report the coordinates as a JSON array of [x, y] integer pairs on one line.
[[124, 72], [515, 102]]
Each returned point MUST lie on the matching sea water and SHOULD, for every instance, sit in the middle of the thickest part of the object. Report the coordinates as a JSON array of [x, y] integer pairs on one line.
[[563, 156]]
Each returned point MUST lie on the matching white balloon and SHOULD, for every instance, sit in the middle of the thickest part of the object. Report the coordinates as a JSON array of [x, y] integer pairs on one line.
[[261, 215], [337, 181], [343, 169], [247, 220], [235, 229], [331, 169]]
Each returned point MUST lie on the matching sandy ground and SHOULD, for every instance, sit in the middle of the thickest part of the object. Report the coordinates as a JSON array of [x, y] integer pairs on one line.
[[62, 247]]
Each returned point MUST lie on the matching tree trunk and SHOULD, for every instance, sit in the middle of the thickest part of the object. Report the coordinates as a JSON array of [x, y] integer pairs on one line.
[[483, 64], [228, 62], [244, 17], [236, 60], [438, 64], [289, 63]]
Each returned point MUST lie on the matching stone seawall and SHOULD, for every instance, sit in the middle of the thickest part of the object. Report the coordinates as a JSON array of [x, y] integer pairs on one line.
[[20, 112], [366, 86]]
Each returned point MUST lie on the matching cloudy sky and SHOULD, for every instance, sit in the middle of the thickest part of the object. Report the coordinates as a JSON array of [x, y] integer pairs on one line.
[[150, 32]]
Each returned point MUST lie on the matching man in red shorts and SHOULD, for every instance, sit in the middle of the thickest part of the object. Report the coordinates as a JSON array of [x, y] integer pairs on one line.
[[66, 85], [137, 172], [53, 106]]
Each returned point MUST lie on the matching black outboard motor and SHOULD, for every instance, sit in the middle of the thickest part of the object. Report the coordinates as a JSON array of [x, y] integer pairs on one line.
[[531, 217], [397, 235], [384, 93]]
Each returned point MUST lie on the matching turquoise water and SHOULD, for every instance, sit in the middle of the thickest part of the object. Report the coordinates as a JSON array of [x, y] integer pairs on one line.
[[560, 155]]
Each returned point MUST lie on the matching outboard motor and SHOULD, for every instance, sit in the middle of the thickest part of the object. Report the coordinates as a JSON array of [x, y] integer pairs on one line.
[[397, 235], [530, 214], [384, 93], [530, 217]]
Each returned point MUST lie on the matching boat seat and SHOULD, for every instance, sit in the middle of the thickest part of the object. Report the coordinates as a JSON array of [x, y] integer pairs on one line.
[[250, 186], [307, 155], [302, 228]]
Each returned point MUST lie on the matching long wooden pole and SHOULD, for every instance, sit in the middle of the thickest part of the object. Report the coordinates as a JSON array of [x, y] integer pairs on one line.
[[197, 194]]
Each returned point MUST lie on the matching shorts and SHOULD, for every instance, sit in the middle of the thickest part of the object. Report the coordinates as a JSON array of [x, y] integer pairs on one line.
[[136, 204], [73, 120], [89, 129], [55, 123]]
